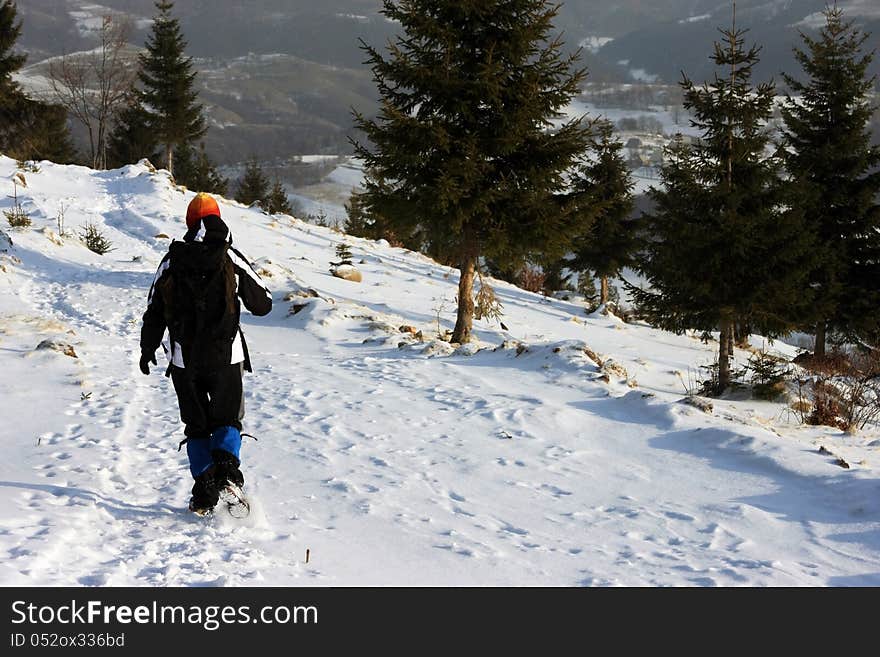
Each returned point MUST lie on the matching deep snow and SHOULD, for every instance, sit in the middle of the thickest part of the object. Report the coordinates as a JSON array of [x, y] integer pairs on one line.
[[393, 461]]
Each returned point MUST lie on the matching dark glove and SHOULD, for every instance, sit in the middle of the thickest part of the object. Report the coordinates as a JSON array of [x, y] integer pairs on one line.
[[146, 359]]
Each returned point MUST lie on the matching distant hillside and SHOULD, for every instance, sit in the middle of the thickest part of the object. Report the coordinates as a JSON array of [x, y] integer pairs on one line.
[[659, 36], [276, 105], [278, 76], [670, 46], [325, 32], [281, 76]]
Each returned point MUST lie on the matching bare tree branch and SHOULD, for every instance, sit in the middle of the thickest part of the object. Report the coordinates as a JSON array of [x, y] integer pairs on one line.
[[92, 85]]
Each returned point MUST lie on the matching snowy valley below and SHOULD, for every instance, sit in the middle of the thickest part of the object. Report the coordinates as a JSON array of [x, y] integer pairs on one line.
[[557, 452]]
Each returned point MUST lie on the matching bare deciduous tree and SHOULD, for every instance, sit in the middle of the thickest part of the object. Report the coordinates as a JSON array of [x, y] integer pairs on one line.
[[92, 85]]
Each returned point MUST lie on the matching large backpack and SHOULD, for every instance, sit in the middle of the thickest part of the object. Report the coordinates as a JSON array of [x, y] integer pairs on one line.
[[201, 306]]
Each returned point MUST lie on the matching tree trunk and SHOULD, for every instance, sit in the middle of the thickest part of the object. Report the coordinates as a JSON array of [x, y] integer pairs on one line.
[[724, 339], [819, 349], [102, 146], [742, 331], [93, 148], [169, 155], [603, 294], [465, 320]]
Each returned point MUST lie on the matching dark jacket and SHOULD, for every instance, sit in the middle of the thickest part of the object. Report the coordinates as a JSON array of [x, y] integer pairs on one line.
[[250, 289]]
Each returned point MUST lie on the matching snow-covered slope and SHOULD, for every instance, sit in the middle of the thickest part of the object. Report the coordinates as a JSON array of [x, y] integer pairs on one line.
[[393, 461]]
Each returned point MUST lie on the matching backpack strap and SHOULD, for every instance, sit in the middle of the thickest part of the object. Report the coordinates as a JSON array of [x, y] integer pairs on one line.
[[244, 348]]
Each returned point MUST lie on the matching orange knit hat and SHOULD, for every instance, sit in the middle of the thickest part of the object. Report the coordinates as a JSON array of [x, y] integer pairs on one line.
[[203, 205]]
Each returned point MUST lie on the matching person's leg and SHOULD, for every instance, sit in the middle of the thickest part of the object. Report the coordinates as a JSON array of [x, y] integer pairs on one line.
[[193, 402], [225, 412]]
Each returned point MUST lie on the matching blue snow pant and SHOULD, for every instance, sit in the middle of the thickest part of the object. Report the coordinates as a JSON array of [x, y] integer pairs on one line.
[[211, 406]]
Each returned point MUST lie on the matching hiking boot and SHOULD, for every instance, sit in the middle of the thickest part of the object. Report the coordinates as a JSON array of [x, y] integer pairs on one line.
[[204, 494], [200, 510], [226, 469]]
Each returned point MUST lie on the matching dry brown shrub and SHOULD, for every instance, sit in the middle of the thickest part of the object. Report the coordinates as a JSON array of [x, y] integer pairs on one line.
[[531, 279]]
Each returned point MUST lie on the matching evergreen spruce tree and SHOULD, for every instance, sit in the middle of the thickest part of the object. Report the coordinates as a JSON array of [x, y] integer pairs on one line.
[[462, 157], [361, 222], [185, 165], [557, 276], [610, 242], [358, 221], [194, 169], [723, 248], [343, 255], [29, 129], [10, 31], [208, 177], [277, 201], [42, 132], [167, 78], [253, 186], [829, 154], [132, 139]]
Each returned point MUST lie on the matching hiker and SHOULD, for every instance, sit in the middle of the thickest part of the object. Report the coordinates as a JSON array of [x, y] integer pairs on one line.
[[195, 295]]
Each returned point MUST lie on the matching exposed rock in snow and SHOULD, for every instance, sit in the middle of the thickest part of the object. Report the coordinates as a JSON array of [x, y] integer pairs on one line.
[[59, 346], [698, 402], [348, 273]]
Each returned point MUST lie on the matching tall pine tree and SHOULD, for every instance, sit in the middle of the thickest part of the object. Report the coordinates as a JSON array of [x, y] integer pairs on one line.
[[610, 242], [829, 154], [463, 155], [10, 31], [167, 78], [29, 129], [722, 247]]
